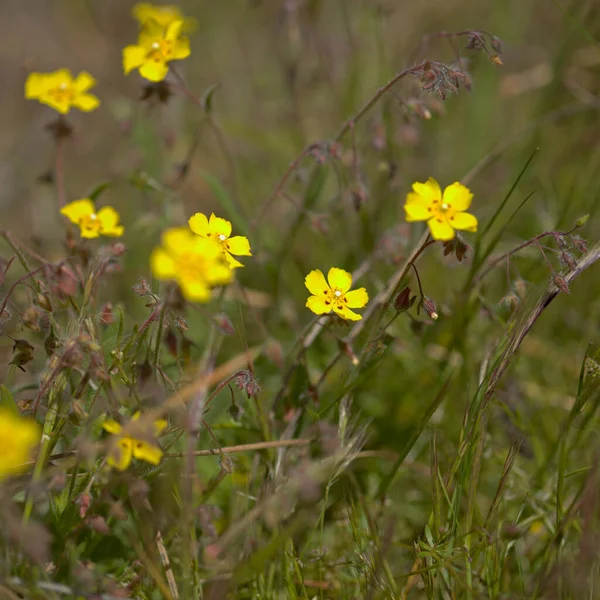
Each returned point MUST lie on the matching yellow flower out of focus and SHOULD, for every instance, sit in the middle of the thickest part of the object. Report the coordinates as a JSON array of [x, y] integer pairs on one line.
[[156, 47], [61, 92], [219, 229], [125, 447], [334, 295], [195, 263], [444, 213], [163, 14], [91, 223], [19, 438]]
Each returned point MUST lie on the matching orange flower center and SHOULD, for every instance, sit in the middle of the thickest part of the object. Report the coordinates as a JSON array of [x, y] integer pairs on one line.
[[160, 51], [441, 211], [335, 297], [90, 223], [62, 93]]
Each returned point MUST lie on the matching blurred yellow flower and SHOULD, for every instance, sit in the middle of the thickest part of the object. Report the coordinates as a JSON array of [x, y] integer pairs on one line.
[[61, 92], [334, 295], [443, 212], [195, 263], [219, 229], [126, 447], [163, 14], [19, 437], [156, 47], [91, 223]]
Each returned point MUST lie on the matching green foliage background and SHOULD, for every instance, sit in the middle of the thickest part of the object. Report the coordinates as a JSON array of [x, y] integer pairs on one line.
[[495, 503]]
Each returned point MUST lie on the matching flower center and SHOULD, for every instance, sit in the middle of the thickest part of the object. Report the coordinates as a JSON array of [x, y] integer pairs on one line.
[[160, 50], [335, 297], [445, 206], [91, 223], [62, 92], [222, 237]]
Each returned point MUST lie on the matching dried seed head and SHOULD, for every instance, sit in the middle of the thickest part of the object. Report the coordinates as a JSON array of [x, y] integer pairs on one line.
[[561, 283], [141, 288]]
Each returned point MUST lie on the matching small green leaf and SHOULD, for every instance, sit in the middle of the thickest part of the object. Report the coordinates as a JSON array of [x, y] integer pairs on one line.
[[207, 98], [99, 189]]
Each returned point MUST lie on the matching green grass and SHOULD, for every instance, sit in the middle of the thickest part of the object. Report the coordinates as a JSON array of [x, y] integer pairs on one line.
[[398, 457]]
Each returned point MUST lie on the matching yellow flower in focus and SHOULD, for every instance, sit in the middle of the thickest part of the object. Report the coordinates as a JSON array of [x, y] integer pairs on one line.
[[19, 438], [195, 263], [125, 447], [219, 229], [334, 295], [163, 14], [91, 223], [156, 47], [61, 92], [444, 213]]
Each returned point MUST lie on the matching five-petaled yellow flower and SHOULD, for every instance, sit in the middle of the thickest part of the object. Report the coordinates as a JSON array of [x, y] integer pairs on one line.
[[19, 437], [61, 92], [195, 263], [126, 447], [156, 47], [91, 223], [444, 213], [219, 229], [163, 14], [334, 295]]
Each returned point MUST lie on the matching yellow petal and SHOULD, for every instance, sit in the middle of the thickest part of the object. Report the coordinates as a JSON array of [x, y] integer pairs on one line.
[[207, 247], [429, 191], [148, 452], [194, 290], [77, 209], [159, 426], [61, 104], [457, 196], [112, 426], [347, 314], [119, 455], [357, 298], [317, 305], [219, 226], [199, 224], [86, 102], [340, 279], [238, 245], [35, 85], [218, 273], [162, 264], [109, 218], [174, 30], [416, 208], [181, 49], [83, 82], [154, 70], [180, 239], [151, 31], [316, 284], [464, 221], [133, 58], [232, 263], [440, 229], [59, 78]]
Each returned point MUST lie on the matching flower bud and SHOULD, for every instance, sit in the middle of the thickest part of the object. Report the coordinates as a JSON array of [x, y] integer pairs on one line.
[[496, 60], [429, 307], [561, 283], [403, 300], [44, 302]]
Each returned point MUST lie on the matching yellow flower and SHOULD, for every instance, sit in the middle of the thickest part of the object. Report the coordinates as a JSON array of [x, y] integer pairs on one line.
[[163, 14], [91, 223], [443, 212], [156, 47], [195, 263], [60, 91], [219, 229], [19, 437], [126, 447], [334, 295]]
